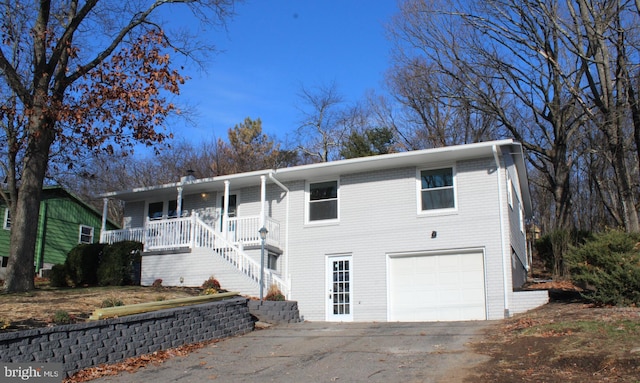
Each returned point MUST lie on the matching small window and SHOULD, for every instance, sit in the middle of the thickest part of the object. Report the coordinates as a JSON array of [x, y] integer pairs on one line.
[[272, 262], [5, 261], [172, 211], [323, 201], [86, 234], [155, 210], [436, 189], [7, 219]]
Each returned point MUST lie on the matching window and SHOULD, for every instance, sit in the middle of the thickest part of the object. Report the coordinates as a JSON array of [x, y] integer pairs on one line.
[[86, 234], [323, 201], [272, 261], [163, 209], [155, 210], [7, 219], [5, 261], [437, 189]]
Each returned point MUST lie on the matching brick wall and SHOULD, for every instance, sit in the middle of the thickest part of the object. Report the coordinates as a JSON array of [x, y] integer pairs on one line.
[[79, 346]]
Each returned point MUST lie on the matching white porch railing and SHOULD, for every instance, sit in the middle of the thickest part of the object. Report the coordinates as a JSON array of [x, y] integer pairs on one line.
[[166, 234]]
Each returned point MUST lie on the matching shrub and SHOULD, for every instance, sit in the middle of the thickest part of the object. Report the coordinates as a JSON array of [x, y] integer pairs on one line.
[[58, 276], [118, 264], [111, 302], [62, 317], [157, 284], [82, 263], [210, 291], [608, 268], [211, 283], [561, 240], [274, 294]]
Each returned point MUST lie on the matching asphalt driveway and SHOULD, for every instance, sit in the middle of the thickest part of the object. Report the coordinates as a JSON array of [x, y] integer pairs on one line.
[[328, 352]]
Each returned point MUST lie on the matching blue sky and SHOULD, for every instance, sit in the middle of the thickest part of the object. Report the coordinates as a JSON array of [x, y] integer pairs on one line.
[[272, 48]]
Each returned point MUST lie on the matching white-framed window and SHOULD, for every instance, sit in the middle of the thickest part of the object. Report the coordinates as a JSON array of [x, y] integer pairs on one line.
[[323, 201], [510, 191], [436, 189], [7, 220], [86, 234], [163, 209]]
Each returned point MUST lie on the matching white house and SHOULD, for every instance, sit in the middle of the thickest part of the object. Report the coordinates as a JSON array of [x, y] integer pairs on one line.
[[428, 235]]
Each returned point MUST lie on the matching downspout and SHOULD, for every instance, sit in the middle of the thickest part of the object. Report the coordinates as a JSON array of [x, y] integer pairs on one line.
[[225, 212], [286, 234], [263, 200], [502, 240]]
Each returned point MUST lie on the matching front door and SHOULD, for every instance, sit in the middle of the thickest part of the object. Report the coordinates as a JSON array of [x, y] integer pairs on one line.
[[339, 302]]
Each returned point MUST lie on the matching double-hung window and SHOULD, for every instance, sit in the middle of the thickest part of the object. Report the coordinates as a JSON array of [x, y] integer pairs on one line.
[[86, 234], [436, 189], [323, 201]]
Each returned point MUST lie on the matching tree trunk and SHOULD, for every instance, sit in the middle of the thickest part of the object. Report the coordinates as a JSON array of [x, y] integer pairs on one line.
[[20, 268]]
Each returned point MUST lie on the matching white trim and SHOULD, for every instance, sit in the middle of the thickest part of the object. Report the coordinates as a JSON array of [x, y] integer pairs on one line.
[[503, 243], [80, 234], [454, 174], [7, 219], [307, 201]]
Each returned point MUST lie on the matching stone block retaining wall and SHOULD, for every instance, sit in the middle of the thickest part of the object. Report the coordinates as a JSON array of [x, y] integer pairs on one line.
[[275, 311], [83, 345]]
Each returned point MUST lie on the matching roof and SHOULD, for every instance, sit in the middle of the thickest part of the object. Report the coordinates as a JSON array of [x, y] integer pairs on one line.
[[58, 191], [348, 166]]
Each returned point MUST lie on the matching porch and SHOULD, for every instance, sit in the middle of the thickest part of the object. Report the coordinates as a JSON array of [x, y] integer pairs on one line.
[[191, 232]]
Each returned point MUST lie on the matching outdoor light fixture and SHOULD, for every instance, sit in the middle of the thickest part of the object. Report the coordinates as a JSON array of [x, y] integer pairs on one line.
[[434, 234], [263, 236]]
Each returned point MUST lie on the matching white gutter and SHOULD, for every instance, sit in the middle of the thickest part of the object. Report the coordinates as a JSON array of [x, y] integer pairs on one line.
[[286, 234], [502, 241]]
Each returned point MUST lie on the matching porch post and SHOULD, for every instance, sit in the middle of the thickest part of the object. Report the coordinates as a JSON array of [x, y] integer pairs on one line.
[[179, 202], [225, 208], [263, 199], [105, 211]]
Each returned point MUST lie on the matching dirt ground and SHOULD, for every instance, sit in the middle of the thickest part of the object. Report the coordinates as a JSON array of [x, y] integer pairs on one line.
[[39, 307], [563, 341]]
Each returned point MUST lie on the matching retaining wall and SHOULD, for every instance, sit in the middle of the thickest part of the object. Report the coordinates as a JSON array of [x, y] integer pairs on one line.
[[275, 311], [83, 345]]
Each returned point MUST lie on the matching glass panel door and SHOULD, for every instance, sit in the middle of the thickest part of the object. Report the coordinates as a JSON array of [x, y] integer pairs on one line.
[[339, 305]]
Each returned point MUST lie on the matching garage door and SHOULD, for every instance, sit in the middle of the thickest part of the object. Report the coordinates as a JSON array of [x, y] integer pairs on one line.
[[439, 287]]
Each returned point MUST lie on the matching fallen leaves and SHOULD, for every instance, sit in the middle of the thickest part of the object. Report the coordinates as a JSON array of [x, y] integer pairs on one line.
[[133, 364]]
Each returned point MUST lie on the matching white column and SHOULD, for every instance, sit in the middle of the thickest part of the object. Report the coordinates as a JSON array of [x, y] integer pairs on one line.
[[263, 200], [105, 211], [179, 202], [225, 213]]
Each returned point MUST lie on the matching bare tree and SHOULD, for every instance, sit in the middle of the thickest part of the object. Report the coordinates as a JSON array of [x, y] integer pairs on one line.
[[78, 75], [322, 127]]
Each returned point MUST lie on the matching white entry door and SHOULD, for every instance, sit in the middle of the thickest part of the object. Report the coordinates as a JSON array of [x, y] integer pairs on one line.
[[339, 302]]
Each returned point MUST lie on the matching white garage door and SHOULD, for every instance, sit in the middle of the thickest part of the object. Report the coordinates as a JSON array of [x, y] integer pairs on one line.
[[442, 287]]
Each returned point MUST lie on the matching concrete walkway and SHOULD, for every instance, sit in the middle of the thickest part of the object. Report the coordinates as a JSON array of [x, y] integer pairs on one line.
[[328, 352]]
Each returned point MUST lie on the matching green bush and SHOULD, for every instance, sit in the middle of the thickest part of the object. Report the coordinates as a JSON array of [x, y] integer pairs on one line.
[[118, 263], [608, 268], [82, 263], [562, 239], [58, 276], [111, 302]]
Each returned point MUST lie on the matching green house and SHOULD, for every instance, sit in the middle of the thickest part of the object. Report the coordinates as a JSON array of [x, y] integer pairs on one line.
[[64, 222]]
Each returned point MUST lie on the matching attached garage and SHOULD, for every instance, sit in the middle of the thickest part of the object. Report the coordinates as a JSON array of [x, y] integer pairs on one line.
[[426, 287]]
